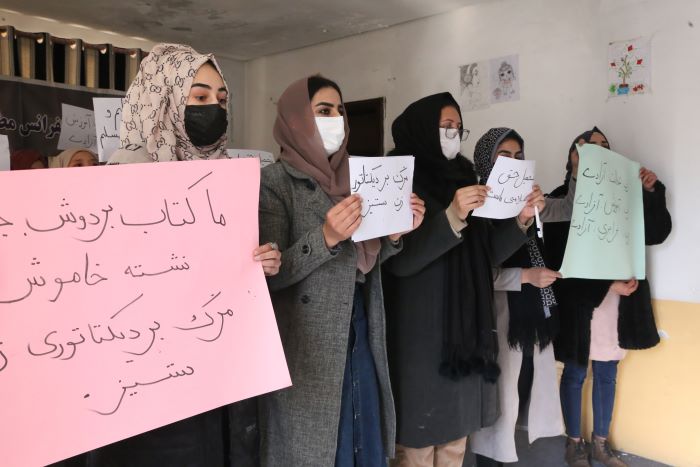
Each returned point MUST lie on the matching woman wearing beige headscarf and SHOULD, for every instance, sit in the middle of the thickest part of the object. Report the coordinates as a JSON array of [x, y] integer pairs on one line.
[[76, 157], [327, 296], [176, 110]]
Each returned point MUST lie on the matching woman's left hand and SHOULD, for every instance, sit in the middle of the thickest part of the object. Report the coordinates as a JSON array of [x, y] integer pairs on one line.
[[535, 198], [270, 257], [648, 178], [418, 208]]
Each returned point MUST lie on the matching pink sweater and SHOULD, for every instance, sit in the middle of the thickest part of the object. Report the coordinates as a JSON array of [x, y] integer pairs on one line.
[[604, 341]]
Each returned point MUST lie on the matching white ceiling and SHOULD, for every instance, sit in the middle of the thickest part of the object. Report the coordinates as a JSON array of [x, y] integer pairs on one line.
[[241, 29]]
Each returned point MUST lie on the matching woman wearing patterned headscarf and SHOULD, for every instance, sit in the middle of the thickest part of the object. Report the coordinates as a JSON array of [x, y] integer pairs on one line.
[[327, 296], [601, 319], [526, 323], [176, 110], [439, 293]]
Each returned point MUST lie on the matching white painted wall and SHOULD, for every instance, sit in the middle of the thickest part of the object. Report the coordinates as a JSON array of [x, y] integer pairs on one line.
[[233, 70], [563, 55]]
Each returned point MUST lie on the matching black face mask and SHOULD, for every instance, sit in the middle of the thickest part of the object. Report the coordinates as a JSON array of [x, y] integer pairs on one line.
[[205, 124]]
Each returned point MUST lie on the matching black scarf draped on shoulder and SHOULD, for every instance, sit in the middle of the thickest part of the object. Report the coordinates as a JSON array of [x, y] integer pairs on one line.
[[636, 326], [469, 340], [533, 312]]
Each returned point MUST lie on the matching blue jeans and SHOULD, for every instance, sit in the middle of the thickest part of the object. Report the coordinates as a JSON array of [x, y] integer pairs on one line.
[[359, 431], [604, 374]]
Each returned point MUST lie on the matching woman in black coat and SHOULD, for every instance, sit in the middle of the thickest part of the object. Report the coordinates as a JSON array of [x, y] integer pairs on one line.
[[600, 319], [439, 293]]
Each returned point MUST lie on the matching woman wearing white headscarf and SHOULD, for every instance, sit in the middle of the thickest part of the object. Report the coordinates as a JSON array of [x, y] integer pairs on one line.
[[76, 157]]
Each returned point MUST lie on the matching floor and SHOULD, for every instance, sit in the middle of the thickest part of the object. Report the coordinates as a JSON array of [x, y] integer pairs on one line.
[[549, 452]]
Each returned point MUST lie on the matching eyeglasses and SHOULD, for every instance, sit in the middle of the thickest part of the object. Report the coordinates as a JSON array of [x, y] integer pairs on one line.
[[452, 133]]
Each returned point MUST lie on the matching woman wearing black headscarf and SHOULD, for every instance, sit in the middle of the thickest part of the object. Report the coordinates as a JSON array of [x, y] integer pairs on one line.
[[439, 293], [600, 319]]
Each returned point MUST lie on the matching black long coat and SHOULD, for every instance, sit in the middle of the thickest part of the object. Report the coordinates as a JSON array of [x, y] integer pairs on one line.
[[579, 297], [432, 409]]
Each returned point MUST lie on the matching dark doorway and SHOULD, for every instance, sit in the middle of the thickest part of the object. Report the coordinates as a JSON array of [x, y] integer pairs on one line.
[[366, 121]]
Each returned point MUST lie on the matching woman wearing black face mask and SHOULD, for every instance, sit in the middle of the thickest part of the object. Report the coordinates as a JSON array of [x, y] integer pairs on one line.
[[175, 110]]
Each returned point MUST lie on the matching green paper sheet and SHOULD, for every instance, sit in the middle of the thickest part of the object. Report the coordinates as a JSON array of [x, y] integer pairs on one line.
[[606, 238]]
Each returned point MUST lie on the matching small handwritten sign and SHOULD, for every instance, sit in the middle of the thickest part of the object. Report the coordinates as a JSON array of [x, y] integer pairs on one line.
[[129, 299], [606, 238], [266, 158], [77, 128], [108, 119], [511, 182], [385, 184]]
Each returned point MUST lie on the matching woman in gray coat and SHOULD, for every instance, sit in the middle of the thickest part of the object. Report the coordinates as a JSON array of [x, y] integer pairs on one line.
[[327, 296]]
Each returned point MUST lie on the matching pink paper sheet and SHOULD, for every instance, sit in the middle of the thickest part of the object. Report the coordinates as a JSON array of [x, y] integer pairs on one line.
[[129, 300]]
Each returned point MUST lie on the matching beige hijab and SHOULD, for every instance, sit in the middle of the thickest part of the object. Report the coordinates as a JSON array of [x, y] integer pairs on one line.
[[296, 132], [62, 159], [153, 114]]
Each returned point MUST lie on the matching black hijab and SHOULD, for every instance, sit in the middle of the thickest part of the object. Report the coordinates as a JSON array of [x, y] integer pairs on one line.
[[469, 340], [586, 136]]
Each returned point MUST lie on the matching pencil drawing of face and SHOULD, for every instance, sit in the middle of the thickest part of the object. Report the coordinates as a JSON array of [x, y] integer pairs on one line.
[[469, 77]]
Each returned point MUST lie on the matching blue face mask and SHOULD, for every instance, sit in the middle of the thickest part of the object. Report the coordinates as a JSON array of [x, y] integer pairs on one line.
[[205, 124]]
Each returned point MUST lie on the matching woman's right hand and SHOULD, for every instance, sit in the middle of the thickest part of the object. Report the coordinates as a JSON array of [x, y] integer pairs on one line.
[[342, 220], [539, 277], [467, 199], [625, 288]]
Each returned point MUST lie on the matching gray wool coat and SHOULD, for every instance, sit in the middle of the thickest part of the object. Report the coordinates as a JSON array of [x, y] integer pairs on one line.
[[313, 297]]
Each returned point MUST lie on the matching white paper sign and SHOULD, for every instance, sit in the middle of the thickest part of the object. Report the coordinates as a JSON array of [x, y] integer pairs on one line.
[[385, 184], [77, 128], [4, 153], [266, 158], [511, 182], [108, 119]]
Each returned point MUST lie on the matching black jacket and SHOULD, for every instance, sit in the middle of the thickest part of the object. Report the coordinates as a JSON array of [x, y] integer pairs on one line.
[[579, 297]]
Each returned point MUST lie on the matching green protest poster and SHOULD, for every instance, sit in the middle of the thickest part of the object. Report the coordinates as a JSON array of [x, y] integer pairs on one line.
[[606, 238]]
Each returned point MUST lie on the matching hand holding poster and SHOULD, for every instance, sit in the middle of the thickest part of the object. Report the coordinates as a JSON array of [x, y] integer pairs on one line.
[[511, 181], [129, 299], [385, 184], [606, 238], [77, 128], [108, 119]]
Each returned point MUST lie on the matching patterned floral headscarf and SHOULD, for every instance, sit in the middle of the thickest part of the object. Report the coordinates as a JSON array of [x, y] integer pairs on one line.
[[485, 150], [153, 114]]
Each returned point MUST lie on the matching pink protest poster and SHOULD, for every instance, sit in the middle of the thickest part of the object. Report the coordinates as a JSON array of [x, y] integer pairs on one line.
[[129, 299]]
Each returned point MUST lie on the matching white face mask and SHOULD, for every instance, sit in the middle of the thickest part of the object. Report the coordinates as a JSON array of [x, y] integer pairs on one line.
[[450, 147], [332, 130]]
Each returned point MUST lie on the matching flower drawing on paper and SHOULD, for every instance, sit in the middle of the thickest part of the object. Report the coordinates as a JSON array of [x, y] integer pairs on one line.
[[628, 69]]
